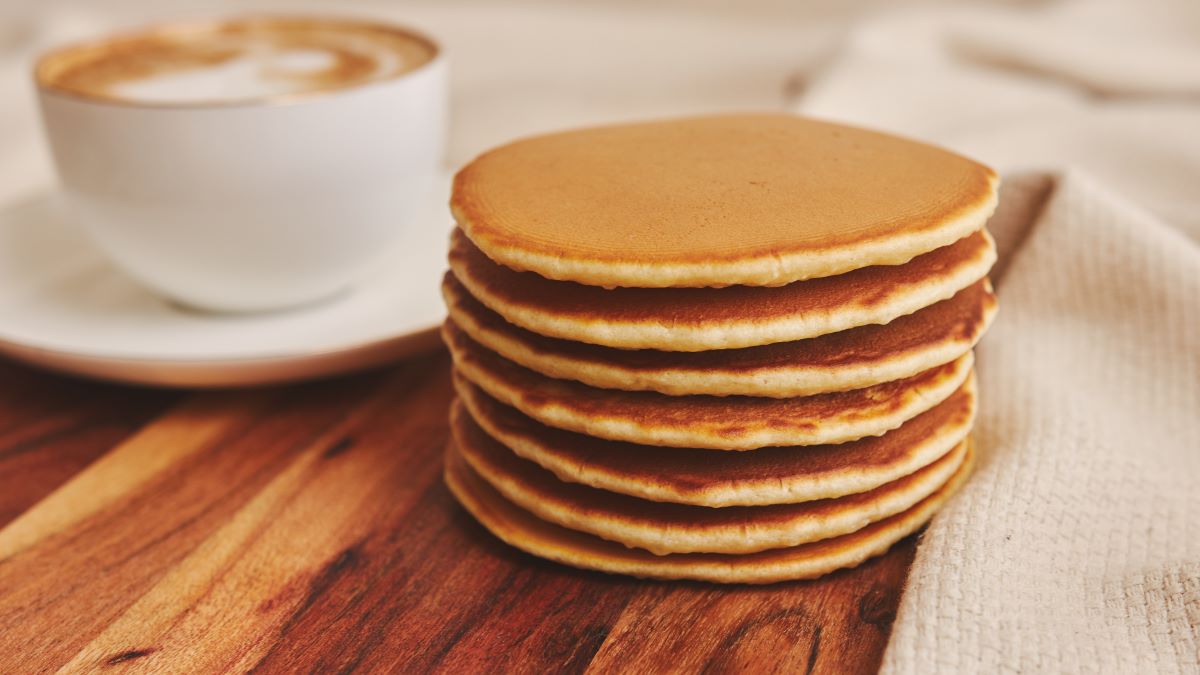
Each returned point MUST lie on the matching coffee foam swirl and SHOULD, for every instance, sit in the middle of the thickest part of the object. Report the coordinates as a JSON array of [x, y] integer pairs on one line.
[[235, 61]]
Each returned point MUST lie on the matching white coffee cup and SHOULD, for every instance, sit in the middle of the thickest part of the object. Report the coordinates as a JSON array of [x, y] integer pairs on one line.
[[240, 202]]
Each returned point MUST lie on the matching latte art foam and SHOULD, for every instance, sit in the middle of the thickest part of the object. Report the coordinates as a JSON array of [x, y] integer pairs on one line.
[[235, 61]]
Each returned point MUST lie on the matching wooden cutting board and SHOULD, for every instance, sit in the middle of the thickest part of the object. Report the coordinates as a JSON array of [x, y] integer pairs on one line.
[[307, 528]]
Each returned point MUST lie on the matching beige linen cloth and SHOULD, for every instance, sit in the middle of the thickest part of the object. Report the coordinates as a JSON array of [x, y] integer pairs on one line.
[[1076, 546]]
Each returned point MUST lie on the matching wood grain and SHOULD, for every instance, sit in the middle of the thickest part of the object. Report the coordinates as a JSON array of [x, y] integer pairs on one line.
[[306, 529], [51, 427]]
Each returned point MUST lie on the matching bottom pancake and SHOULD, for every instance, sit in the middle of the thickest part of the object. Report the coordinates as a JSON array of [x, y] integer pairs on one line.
[[527, 532], [664, 528]]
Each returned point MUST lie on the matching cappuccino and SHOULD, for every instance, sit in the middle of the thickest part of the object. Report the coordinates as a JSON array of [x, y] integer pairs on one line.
[[250, 163], [235, 61]]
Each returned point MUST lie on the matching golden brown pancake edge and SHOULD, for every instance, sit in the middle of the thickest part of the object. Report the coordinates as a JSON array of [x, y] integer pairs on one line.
[[721, 423], [528, 533], [717, 479], [700, 319], [850, 359], [664, 528]]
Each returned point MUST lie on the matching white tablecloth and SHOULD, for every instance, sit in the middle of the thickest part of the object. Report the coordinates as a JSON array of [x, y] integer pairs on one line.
[[1076, 547]]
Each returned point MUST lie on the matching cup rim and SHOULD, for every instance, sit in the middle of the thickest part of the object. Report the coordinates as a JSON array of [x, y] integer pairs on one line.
[[213, 23]]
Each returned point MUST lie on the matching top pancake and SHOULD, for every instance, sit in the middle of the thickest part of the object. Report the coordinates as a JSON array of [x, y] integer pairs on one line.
[[753, 199]]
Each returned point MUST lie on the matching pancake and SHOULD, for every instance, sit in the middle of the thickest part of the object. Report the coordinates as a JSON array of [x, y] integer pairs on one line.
[[755, 199], [663, 528], [706, 478], [699, 319], [851, 359], [721, 423], [523, 530]]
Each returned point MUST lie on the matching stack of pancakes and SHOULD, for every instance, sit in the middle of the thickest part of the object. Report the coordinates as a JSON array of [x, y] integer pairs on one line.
[[732, 348]]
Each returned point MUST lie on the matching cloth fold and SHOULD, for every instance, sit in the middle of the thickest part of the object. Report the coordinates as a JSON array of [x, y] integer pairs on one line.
[[1076, 546]]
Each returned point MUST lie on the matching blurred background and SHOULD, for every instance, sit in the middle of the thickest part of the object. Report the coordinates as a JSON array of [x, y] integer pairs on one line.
[[526, 65], [1021, 84], [517, 65]]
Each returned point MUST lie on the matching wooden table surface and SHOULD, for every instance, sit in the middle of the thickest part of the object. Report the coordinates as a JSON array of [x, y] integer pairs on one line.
[[306, 528]]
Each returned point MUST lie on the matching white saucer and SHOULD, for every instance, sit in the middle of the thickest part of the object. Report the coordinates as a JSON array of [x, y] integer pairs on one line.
[[63, 306]]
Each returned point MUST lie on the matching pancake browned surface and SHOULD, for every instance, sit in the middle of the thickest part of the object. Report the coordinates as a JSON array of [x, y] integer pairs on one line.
[[711, 478], [662, 528], [850, 359], [529, 533], [762, 199], [722, 423], [698, 319]]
